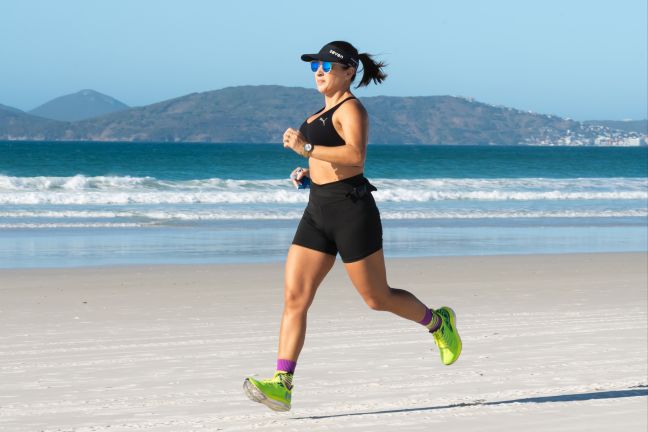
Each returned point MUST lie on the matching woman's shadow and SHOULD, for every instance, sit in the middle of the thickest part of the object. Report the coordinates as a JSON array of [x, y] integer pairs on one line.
[[635, 391]]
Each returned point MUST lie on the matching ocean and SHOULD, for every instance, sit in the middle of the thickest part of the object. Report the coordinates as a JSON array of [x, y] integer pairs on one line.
[[105, 203]]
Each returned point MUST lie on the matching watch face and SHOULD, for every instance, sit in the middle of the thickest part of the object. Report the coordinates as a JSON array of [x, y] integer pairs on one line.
[[308, 147]]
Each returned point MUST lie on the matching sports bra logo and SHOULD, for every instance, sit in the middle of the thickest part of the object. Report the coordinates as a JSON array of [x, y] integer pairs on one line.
[[323, 120]]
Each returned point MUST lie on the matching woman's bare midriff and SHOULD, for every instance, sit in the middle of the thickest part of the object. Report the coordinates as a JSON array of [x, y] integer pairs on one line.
[[322, 172]]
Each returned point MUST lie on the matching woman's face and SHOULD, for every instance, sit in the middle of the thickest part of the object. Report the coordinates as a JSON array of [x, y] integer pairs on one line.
[[339, 78]]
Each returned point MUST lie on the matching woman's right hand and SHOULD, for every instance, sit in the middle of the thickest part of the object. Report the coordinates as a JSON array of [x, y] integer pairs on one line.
[[297, 175]]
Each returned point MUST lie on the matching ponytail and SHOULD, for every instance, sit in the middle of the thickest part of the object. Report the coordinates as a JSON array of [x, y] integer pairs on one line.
[[371, 71]]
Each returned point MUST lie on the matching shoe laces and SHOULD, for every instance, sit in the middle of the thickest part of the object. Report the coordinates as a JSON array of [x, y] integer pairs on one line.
[[283, 378]]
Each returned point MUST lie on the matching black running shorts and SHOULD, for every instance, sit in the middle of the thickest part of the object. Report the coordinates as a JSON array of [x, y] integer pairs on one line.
[[341, 217]]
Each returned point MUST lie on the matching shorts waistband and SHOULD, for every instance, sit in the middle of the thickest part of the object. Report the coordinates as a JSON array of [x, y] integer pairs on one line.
[[340, 188], [341, 185]]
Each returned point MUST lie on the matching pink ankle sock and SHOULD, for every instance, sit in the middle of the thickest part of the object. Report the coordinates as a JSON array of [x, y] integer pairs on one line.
[[431, 320], [286, 365], [427, 318]]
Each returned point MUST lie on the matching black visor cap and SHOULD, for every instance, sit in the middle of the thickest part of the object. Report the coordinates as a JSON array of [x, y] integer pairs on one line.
[[332, 53]]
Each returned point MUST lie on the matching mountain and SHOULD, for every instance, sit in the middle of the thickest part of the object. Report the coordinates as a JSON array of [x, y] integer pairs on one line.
[[10, 109], [640, 126], [78, 106], [18, 125], [260, 114], [255, 114], [455, 120]]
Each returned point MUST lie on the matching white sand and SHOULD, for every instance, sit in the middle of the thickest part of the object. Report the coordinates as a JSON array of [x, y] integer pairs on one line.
[[551, 343]]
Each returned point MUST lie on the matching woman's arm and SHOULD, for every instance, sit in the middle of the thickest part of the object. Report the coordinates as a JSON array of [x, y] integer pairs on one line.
[[354, 123]]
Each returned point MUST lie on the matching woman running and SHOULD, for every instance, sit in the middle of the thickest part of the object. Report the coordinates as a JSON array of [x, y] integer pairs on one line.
[[341, 216]]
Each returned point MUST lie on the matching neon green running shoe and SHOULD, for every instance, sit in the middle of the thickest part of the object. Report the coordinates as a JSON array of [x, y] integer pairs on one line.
[[447, 337], [275, 393]]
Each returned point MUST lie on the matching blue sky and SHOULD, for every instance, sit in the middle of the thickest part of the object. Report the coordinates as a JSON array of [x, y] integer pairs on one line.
[[579, 59]]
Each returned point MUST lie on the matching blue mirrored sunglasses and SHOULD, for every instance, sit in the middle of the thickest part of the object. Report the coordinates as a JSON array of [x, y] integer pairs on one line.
[[326, 66]]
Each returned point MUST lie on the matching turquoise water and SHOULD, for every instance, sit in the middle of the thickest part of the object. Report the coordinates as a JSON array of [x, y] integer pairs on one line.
[[76, 204], [189, 161]]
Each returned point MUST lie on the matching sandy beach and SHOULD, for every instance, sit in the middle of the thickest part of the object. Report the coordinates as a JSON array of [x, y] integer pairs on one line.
[[551, 342]]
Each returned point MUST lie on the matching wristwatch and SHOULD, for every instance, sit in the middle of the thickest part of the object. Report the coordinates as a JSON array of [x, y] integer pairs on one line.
[[308, 149]]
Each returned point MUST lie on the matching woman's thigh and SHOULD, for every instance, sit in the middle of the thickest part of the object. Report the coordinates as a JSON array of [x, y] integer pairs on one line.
[[305, 270], [369, 276]]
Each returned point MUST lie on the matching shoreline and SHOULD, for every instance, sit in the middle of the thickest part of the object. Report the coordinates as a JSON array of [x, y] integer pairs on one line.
[[281, 261]]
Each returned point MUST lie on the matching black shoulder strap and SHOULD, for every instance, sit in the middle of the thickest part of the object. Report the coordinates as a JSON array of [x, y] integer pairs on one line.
[[338, 105]]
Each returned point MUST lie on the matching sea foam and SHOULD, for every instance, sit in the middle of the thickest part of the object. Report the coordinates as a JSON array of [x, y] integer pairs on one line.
[[107, 190]]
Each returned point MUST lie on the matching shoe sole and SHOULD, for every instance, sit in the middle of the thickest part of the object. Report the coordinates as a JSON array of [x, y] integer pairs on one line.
[[453, 321], [255, 395]]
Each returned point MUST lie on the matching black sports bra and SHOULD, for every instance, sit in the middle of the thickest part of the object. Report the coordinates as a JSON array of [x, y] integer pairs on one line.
[[321, 131]]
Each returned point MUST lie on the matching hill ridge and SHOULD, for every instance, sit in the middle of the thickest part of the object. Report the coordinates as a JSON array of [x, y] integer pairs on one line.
[[84, 104], [261, 113]]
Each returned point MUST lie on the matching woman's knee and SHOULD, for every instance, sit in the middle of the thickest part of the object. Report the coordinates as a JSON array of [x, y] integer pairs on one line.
[[297, 298]]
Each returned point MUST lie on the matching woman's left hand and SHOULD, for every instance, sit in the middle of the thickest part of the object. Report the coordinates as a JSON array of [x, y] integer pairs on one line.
[[294, 140]]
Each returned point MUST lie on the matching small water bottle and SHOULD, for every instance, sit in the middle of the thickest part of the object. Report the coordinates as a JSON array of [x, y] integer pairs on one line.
[[304, 182]]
